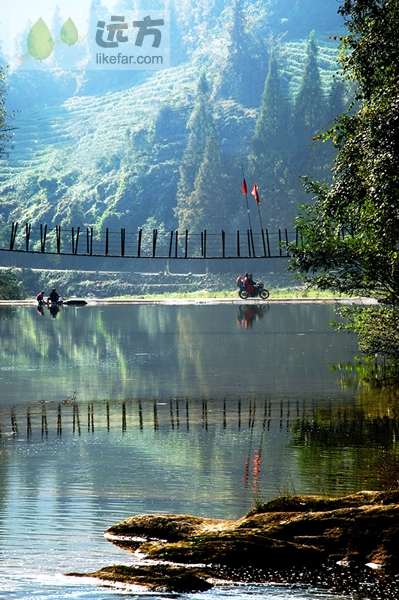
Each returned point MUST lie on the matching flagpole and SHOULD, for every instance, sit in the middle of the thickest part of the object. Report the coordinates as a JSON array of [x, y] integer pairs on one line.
[[246, 198]]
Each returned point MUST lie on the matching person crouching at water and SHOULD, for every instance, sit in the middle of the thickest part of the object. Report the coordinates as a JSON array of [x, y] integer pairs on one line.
[[40, 298], [54, 297]]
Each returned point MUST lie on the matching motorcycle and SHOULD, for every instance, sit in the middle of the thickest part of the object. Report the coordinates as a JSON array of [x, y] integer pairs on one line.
[[259, 291]]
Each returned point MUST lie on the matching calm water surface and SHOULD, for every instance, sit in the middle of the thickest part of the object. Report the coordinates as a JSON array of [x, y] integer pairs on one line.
[[107, 412]]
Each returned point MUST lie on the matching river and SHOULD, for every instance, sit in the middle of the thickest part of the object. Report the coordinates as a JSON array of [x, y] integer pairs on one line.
[[111, 411]]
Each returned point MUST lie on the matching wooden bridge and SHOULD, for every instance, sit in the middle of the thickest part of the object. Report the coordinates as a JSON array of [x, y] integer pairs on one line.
[[141, 244]]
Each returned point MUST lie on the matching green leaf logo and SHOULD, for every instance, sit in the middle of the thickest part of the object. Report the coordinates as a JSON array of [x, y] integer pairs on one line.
[[40, 41], [69, 33]]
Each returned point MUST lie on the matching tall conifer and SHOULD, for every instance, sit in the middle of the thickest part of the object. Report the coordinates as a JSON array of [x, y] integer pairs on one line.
[[200, 125], [270, 145], [310, 114], [207, 205], [245, 56]]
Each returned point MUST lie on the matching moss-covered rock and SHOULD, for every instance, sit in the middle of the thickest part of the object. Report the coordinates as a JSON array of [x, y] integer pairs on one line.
[[157, 577], [361, 528], [312, 540]]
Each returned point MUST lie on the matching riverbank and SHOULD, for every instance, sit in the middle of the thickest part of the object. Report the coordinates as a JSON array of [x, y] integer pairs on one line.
[[165, 299]]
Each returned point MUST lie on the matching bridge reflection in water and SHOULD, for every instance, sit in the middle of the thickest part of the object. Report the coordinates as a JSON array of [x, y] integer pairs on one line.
[[306, 421], [323, 436], [51, 418]]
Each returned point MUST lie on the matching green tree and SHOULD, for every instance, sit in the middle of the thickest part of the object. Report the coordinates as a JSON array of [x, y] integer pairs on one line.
[[10, 287], [270, 146], [245, 56], [309, 114], [207, 205], [350, 236], [201, 126]]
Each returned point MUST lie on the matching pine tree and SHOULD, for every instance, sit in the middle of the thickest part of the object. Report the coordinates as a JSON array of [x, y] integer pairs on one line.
[[207, 205], [245, 56], [200, 125], [271, 142], [310, 114]]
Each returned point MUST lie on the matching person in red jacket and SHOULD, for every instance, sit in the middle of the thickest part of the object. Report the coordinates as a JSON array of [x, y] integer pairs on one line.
[[248, 285]]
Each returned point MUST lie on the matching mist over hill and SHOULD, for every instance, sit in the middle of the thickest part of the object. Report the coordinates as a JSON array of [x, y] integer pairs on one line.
[[250, 83]]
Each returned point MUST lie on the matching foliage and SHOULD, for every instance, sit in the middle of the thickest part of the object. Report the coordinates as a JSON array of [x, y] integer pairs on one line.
[[350, 236], [267, 161], [201, 127], [246, 54], [207, 205], [376, 326], [10, 287]]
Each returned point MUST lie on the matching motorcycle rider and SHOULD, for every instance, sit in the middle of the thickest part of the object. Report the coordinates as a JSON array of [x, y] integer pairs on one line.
[[249, 283]]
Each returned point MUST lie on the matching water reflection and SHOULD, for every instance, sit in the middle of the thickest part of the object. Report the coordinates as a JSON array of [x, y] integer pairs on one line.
[[119, 352], [274, 445], [108, 412], [248, 314]]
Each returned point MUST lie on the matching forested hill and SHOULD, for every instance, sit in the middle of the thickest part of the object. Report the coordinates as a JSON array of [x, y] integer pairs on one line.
[[249, 84]]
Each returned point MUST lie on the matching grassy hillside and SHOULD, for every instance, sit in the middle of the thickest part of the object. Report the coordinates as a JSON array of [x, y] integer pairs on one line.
[[105, 158]]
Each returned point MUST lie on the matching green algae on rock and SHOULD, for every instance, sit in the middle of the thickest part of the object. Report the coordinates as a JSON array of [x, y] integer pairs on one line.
[[157, 577], [362, 528], [307, 540]]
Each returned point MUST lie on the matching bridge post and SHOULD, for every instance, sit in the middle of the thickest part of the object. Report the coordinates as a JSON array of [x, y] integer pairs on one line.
[[106, 241], [90, 241], [264, 245], [58, 237], [252, 243], [154, 242], [223, 244], [170, 244], [176, 242], [186, 245], [77, 240], [238, 243], [139, 243], [14, 228], [279, 242], [75, 246], [268, 242], [286, 241], [27, 235], [123, 235], [43, 233]]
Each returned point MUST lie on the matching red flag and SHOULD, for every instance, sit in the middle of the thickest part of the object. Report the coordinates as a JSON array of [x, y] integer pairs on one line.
[[255, 193], [244, 187]]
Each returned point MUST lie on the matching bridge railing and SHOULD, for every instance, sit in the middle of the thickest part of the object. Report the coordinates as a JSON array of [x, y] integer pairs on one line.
[[143, 244]]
